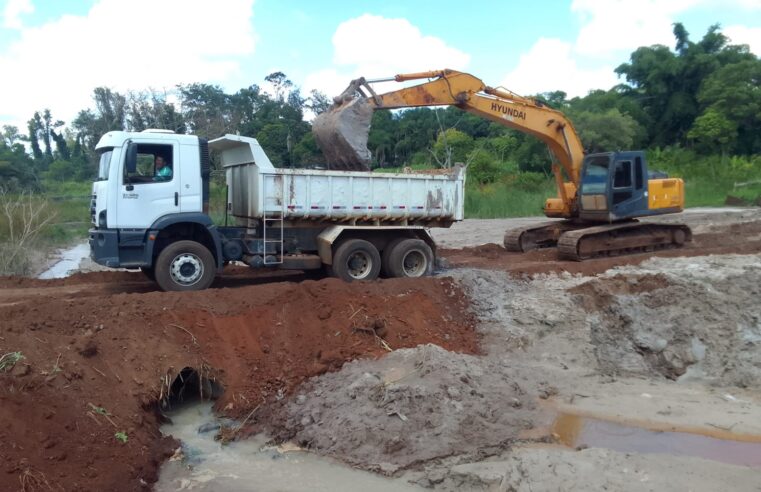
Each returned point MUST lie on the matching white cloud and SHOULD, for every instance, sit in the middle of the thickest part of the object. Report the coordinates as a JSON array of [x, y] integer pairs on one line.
[[150, 44], [13, 11], [550, 65], [609, 31], [374, 46], [611, 27], [623, 25], [745, 35]]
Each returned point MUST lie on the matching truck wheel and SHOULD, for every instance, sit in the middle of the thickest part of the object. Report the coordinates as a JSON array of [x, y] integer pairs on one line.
[[149, 272], [386, 256], [185, 265], [356, 259], [410, 258]]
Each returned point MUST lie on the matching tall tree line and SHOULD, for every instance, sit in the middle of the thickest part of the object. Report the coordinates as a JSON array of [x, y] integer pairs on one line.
[[704, 96]]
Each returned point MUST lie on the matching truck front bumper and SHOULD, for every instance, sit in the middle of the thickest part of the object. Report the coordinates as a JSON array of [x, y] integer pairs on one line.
[[104, 247], [121, 248]]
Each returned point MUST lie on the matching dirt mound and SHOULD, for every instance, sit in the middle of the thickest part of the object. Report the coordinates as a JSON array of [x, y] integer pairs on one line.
[[410, 407], [93, 364], [596, 295], [704, 326]]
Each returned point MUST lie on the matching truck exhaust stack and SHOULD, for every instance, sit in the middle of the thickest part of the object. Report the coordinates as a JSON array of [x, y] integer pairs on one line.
[[342, 132]]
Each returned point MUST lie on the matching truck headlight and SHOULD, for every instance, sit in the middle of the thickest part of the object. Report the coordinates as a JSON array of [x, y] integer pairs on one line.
[[102, 219]]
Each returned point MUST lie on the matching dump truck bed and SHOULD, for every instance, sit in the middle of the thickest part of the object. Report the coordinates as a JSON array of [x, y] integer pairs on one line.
[[257, 189]]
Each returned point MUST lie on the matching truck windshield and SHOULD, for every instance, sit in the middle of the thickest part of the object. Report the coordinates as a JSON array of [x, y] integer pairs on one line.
[[104, 162], [595, 179]]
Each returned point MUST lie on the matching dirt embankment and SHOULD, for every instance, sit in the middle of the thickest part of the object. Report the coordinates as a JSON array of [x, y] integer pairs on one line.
[[96, 364], [683, 321]]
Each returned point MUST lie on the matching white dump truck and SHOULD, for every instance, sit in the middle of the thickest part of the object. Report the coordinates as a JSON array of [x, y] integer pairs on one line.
[[355, 225]]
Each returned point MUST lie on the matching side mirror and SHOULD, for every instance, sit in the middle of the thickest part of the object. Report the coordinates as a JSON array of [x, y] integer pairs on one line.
[[130, 160]]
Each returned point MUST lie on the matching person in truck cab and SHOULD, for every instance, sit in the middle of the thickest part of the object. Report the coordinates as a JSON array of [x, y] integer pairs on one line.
[[163, 169]]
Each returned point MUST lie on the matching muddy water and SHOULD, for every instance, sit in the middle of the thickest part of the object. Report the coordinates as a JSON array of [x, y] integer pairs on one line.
[[251, 465], [68, 262], [575, 431]]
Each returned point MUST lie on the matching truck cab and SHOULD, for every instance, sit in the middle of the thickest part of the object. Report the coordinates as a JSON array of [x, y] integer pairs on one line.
[[134, 208]]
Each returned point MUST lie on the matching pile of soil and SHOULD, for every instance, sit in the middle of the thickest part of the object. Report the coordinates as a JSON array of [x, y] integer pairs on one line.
[[413, 406], [689, 321], [95, 364]]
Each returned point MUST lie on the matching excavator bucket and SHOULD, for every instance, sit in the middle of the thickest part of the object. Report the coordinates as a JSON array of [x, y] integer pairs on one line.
[[342, 131]]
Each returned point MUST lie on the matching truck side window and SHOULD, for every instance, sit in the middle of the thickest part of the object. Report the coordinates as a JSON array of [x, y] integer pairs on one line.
[[155, 164], [623, 177], [638, 173]]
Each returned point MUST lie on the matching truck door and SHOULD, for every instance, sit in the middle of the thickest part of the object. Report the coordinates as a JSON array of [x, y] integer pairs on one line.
[[628, 187], [150, 191]]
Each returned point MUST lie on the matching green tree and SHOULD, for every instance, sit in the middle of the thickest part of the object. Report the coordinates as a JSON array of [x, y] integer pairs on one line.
[[318, 102], [34, 126], [11, 135], [713, 131], [280, 84], [482, 167], [451, 147], [666, 83], [46, 127], [606, 132], [734, 91], [207, 110]]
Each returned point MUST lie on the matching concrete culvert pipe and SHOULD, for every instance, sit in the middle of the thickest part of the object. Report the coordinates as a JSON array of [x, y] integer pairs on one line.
[[189, 386]]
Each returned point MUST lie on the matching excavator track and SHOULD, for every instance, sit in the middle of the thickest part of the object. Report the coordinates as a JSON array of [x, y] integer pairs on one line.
[[536, 236], [617, 239]]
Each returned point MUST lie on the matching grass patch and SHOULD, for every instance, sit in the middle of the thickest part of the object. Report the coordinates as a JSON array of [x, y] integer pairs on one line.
[[9, 360], [503, 199]]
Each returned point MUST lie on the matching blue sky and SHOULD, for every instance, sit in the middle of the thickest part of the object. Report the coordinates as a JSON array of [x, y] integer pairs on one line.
[[59, 50]]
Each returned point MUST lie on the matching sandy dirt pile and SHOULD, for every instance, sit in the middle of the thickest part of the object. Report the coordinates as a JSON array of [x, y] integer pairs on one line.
[[690, 321], [95, 364], [412, 406]]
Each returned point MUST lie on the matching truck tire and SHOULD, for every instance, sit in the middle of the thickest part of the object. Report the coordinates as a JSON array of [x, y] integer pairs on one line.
[[386, 256], [356, 259], [410, 258], [185, 265]]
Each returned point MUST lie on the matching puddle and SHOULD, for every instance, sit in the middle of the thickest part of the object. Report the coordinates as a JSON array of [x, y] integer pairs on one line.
[[575, 431], [69, 260], [250, 465]]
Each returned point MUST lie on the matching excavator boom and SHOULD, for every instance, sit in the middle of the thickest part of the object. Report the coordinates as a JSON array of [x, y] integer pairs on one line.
[[342, 131], [612, 189]]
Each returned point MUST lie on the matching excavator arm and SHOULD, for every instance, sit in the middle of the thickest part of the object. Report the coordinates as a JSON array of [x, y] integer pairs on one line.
[[344, 128]]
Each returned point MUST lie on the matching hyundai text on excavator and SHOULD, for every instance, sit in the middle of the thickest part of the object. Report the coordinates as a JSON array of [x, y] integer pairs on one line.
[[599, 196]]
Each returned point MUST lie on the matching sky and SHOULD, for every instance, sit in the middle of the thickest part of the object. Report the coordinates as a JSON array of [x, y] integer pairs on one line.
[[53, 53]]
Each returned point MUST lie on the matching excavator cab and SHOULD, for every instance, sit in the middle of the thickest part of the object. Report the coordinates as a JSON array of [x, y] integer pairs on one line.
[[615, 186]]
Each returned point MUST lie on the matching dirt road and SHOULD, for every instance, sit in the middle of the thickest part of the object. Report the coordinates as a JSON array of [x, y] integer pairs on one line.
[[459, 382]]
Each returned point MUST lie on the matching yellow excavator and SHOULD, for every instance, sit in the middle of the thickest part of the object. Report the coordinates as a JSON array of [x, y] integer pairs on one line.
[[599, 196]]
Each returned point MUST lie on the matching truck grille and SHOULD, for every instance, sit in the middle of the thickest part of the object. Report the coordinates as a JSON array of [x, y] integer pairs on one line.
[[93, 203]]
